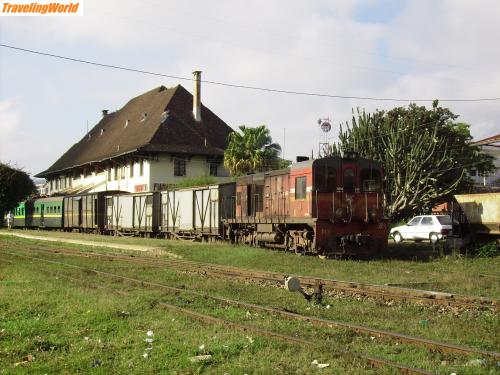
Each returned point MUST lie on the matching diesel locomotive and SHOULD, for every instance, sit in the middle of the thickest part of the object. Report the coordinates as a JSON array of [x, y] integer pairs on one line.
[[327, 206]]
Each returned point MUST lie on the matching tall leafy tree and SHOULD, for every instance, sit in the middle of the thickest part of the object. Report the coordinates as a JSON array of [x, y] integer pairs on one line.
[[425, 154], [15, 186], [251, 150]]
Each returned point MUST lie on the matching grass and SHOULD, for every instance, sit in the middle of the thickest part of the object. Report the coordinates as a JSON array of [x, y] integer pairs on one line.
[[68, 328]]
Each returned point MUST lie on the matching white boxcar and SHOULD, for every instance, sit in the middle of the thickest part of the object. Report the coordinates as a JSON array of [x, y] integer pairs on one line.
[[193, 210], [133, 212], [206, 210]]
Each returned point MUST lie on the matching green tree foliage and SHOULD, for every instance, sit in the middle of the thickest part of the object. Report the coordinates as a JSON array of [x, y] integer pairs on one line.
[[425, 153], [251, 150], [15, 186]]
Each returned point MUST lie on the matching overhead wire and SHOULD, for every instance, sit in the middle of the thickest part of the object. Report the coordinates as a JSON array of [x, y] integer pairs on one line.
[[243, 86]]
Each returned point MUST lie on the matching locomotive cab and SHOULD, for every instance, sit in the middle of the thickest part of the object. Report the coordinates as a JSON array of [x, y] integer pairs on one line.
[[347, 202]]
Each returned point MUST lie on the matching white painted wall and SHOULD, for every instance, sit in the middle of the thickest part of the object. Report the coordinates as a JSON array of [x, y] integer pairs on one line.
[[160, 171]]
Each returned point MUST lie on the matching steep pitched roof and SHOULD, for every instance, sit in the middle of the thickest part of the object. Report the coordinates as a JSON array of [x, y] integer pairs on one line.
[[159, 120]]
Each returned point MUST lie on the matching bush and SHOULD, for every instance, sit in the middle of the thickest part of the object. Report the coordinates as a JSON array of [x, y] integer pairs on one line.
[[196, 181], [485, 248]]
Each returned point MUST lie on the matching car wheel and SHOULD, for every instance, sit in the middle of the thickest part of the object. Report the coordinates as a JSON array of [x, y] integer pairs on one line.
[[434, 237], [397, 237]]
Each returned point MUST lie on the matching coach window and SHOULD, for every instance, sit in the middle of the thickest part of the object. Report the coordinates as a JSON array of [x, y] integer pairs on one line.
[[325, 179], [179, 167], [348, 180], [371, 180], [300, 187]]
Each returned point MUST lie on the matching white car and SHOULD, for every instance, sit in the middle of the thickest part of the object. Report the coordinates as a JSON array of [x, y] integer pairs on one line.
[[425, 227]]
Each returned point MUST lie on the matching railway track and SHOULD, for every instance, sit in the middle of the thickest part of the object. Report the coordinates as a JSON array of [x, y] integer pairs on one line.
[[382, 292], [373, 361], [414, 340]]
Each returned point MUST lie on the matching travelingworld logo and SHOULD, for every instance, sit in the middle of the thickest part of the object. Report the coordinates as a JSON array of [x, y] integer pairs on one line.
[[42, 8]]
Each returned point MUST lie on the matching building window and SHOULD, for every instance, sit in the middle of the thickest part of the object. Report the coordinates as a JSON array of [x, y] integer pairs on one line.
[[179, 167], [116, 173], [213, 169], [300, 187], [131, 169], [141, 168], [123, 170], [51, 185]]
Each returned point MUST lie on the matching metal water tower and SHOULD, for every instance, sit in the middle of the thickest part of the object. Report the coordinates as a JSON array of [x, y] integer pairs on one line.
[[325, 126]]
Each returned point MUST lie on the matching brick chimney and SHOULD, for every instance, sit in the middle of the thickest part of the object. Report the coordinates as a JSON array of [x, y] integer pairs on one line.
[[197, 96]]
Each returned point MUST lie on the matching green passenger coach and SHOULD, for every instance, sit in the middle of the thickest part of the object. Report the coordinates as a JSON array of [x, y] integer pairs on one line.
[[48, 213], [20, 214]]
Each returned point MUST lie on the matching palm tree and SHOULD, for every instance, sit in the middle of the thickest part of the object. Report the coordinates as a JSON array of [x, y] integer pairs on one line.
[[251, 150]]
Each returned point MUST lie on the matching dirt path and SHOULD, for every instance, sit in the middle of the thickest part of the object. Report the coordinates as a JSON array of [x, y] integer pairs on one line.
[[93, 243]]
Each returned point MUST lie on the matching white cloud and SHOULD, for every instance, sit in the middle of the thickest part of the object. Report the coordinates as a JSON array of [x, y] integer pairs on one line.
[[10, 119], [444, 49]]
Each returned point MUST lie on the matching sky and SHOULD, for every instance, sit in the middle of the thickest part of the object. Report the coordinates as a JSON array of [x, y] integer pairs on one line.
[[420, 49]]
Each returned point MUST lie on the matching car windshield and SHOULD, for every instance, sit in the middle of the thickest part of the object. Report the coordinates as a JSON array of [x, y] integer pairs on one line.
[[444, 220], [414, 221]]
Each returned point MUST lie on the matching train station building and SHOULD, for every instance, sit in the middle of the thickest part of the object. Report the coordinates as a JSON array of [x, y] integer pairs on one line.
[[491, 146], [157, 139]]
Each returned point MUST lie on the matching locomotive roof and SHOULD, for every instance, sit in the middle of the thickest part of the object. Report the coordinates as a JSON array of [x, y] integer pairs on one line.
[[159, 120], [334, 160]]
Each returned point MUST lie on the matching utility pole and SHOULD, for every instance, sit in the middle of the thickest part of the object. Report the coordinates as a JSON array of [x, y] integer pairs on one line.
[[284, 144]]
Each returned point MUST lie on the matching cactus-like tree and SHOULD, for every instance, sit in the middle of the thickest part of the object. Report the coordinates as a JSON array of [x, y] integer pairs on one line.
[[251, 150], [425, 154]]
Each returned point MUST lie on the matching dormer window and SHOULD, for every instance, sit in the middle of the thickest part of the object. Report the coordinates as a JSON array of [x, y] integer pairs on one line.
[[164, 116], [102, 131], [126, 123], [144, 117]]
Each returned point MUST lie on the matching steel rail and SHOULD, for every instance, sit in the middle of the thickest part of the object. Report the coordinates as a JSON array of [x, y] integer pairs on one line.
[[416, 340], [358, 288]]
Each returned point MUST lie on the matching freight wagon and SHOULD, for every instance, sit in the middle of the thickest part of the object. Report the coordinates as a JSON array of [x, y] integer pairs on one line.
[[196, 212], [85, 212], [132, 213], [482, 212]]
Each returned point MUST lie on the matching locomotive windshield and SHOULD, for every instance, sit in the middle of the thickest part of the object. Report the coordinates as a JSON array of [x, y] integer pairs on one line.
[[325, 179], [371, 180]]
